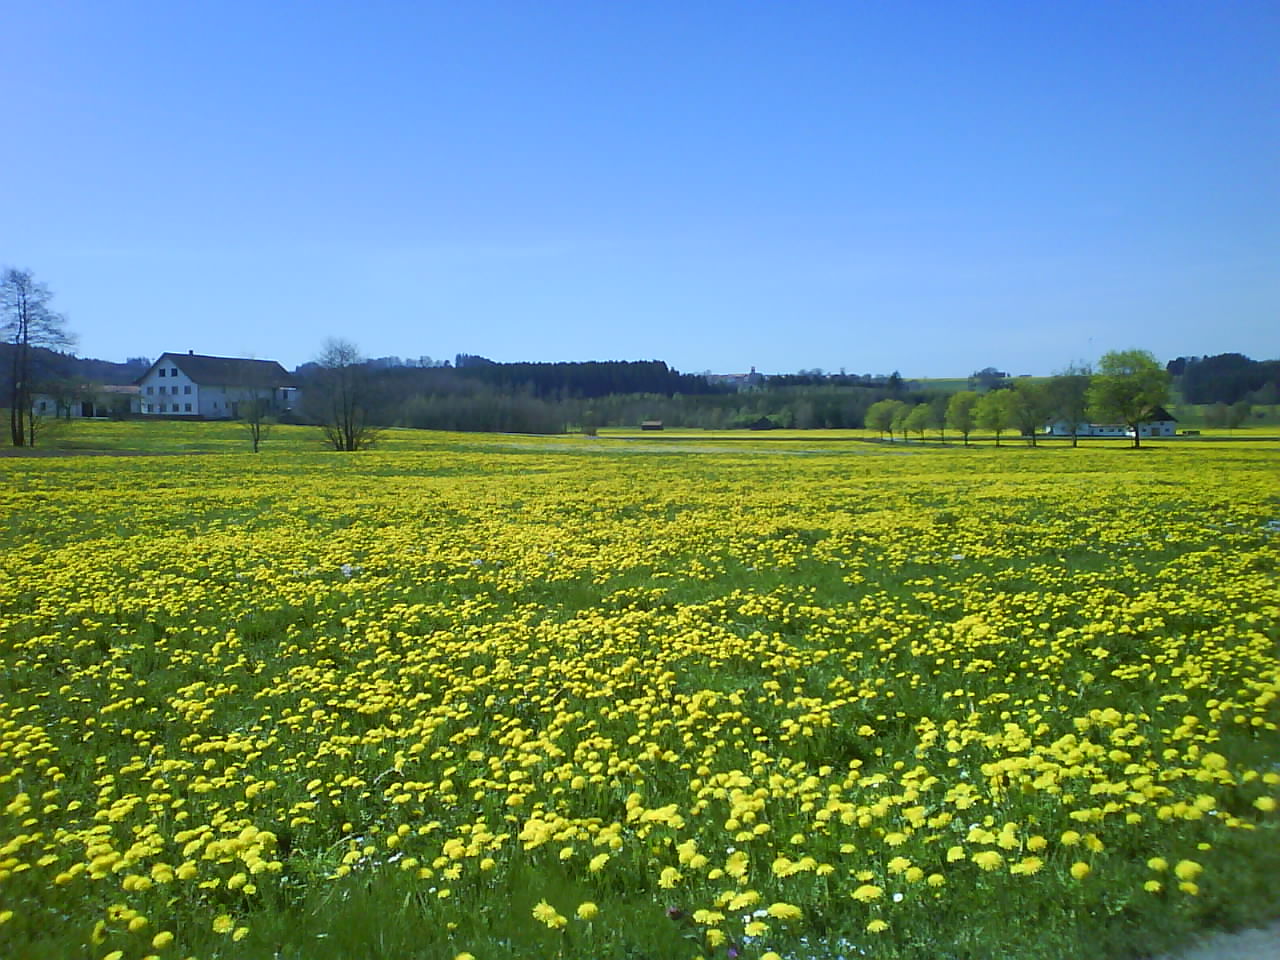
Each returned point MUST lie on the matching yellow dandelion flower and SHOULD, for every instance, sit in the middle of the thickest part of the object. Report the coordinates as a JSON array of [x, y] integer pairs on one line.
[[784, 911], [547, 915], [587, 910], [223, 923], [868, 892], [162, 939], [988, 859], [877, 926], [1187, 870], [1080, 870]]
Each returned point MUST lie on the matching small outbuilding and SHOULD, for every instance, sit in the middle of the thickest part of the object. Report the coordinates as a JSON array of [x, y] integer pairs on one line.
[[1162, 424]]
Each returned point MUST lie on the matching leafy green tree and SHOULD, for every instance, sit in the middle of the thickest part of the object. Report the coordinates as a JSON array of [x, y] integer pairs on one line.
[[901, 412], [960, 413], [1130, 386], [1029, 408], [1068, 398], [938, 415], [880, 417], [994, 412], [917, 419]]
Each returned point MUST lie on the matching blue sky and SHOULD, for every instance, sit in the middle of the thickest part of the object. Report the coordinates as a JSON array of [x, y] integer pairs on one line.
[[929, 187]]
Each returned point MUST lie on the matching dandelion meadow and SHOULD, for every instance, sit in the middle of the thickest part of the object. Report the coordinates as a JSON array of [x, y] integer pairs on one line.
[[523, 698]]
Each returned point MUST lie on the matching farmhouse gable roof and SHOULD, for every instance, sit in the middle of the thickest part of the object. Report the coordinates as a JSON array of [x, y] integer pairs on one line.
[[225, 371]]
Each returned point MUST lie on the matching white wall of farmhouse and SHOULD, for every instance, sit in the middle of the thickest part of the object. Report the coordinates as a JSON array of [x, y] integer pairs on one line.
[[166, 390]]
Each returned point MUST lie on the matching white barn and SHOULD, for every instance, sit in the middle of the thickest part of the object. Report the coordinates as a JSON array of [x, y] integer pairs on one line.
[[193, 385], [1162, 424]]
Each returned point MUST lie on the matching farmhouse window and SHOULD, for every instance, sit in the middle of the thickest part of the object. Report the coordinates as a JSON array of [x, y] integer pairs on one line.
[[150, 390], [173, 371], [186, 388], [188, 406], [162, 371]]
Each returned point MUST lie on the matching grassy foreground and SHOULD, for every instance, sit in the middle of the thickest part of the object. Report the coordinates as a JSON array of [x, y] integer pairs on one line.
[[513, 697]]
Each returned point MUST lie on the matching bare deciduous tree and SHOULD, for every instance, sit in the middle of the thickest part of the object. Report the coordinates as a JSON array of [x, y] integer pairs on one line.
[[256, 416], [27, 323], [338, 397]]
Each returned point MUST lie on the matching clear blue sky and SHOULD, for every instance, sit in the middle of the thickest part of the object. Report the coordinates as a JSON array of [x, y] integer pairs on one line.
[[931, 187]]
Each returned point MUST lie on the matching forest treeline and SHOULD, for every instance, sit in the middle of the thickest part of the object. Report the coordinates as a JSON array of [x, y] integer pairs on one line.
[[1227, 378], [479, 395]]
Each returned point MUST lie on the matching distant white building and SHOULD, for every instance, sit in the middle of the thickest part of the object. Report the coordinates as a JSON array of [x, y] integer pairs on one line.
[[192, 385], [742, 381], [1161, 424]]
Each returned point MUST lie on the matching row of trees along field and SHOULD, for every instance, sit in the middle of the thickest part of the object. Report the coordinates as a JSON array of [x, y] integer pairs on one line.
[[1129, 387]]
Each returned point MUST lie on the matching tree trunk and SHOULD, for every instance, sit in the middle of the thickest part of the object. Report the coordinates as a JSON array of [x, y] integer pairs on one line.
[[15, 397]]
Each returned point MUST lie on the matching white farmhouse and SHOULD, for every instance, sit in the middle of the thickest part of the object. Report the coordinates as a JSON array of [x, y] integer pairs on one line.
[[191, 385]]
